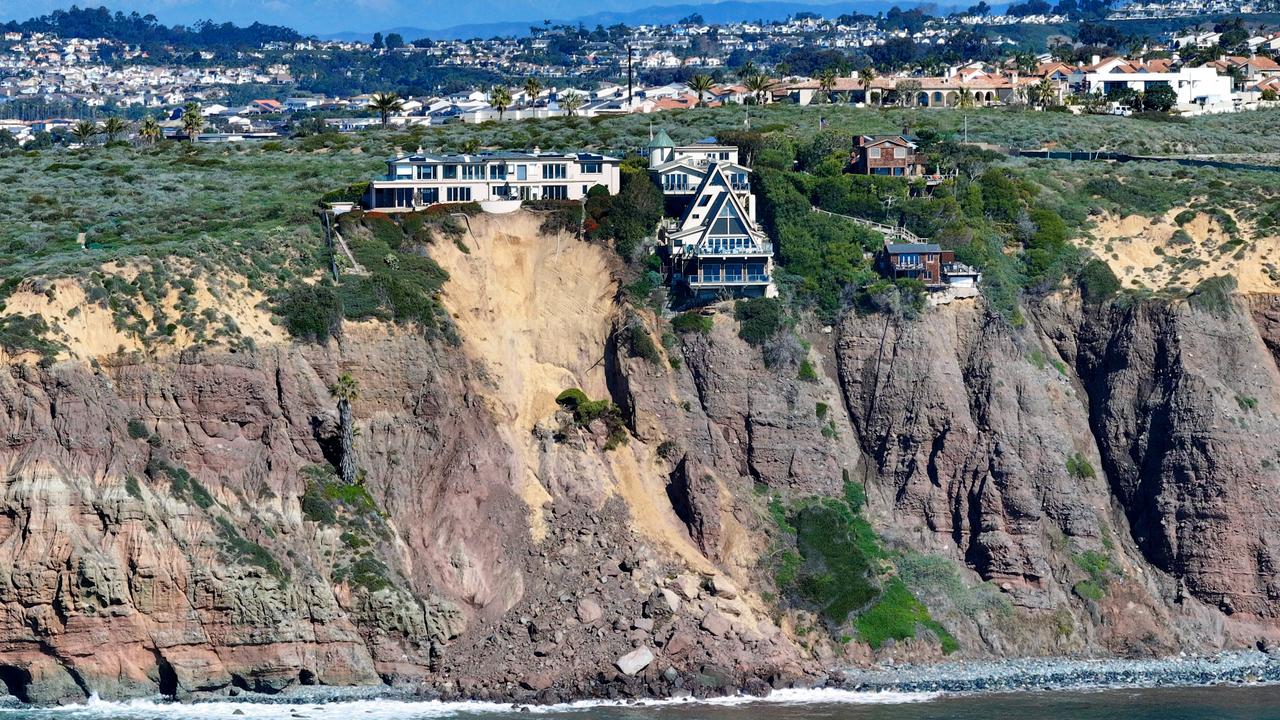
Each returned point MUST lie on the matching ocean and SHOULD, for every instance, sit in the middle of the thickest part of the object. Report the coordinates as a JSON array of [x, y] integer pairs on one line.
[[1258, 702]]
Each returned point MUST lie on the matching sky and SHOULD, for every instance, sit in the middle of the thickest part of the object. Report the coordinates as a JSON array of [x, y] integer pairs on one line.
[[322, 17]]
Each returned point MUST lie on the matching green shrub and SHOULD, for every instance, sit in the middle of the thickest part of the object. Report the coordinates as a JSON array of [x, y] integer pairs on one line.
[[691, 322], [1246, 402], [1097, 282], [138, 429], [1078, 467], [247, 550], [641, 345], [1213, 295], [896, 614], [586, 411], [312, 313], [132, 487], [806, 372], [759, 319]]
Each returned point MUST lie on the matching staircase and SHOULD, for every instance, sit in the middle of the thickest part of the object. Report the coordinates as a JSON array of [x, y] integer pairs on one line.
[[891, 233]]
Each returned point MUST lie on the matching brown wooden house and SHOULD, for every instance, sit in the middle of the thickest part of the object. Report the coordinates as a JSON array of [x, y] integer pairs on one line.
[[893, 155], [922, 261]]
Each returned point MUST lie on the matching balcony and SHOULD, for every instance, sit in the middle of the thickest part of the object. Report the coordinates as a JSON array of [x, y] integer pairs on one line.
[[762, 251], [717, 280]]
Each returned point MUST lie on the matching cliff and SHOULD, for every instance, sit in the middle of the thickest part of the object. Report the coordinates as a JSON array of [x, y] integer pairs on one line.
[[1097, 480]]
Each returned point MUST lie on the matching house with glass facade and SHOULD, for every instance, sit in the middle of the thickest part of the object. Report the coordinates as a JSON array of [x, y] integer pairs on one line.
[[680, 169], [420, 180], [716, 248]]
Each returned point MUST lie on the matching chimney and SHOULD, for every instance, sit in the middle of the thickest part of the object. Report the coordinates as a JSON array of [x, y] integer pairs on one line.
[[1095, 60]]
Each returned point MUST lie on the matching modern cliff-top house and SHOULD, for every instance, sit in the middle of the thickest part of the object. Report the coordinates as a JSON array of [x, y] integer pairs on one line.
[[715, 248], [420, 180], [893, 155], [680, 170]]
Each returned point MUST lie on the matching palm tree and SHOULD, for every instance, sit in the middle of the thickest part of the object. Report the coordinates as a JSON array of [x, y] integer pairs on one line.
[[866, 76], [1025, 62], [500, 98], [747, 70], [532, 88], [571, 101], [964, 98], [759, 86], [345, 390], [114, 127], [1046, 93], [700, 84], [150, 130], [192, 120], [84, 130], [385, 104], [827, 82]]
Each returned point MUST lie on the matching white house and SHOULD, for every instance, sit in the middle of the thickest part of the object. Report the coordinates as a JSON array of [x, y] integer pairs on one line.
[[1195, 87], [420, 180]]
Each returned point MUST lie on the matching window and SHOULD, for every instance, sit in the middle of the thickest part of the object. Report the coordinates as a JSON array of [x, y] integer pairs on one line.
[[472, 172], [591, 168], [727, 222], [459, 194], [555, 192], [675, 181], [554, 171], [450, 172], [704, 201], [711, 273], [498, 172], [426, 172], [404, 171], [430, 196], [522, 172], [873, 153], [900, 153]]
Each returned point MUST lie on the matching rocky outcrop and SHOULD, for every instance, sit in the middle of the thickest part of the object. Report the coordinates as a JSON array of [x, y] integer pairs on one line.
[[1102, 479]]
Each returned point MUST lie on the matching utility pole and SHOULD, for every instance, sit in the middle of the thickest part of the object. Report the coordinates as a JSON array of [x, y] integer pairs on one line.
[[630, 101], [966, 129]]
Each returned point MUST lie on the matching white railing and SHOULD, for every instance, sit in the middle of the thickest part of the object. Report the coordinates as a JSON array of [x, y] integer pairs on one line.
[[891, 232]]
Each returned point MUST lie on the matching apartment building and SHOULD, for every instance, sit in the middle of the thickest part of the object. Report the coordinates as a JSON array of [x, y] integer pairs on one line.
[[419, 180]]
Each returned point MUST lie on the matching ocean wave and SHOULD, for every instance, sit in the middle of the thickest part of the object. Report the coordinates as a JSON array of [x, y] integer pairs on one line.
[[386, 709]]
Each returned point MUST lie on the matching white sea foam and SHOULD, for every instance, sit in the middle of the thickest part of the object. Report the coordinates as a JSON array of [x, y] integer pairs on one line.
[[419, 710]]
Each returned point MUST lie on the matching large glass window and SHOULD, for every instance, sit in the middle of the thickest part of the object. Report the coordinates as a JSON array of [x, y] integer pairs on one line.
[[472, 172], [555, 192], [727, 222], [498, 172], [459, 194], [426, 172], [554, 171], [450, 172], [591, 168]]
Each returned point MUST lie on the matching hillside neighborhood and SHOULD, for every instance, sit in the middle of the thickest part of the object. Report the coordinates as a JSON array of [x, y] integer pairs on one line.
[[48, 83]]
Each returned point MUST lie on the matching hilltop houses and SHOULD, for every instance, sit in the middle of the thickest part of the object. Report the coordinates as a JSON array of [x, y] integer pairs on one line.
[[715, 248], [419, 180]]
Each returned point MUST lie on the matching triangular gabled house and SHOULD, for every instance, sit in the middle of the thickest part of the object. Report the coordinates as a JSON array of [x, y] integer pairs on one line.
[[717, 248]]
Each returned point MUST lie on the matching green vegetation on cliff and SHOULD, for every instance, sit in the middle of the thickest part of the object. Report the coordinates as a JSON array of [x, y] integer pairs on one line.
[[828, 559]]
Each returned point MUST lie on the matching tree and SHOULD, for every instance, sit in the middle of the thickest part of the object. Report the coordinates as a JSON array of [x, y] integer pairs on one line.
[[1026, 62], [908, 92], [532, 88], [1159, 98], [84, 130], [700, 84], [1270, 95], [500, 99], [759, 86], [150, 131], [747, 70], [1044, 93], [394, 41], [345, 390], [571, 101], [827, 83], [866, 76], [377, 41], [192, 120], [113, 127], [965, 99], [385, 104]]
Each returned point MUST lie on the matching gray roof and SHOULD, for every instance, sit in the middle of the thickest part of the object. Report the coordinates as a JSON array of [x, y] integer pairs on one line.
[[899, 248], [662, 140], [502, 155]]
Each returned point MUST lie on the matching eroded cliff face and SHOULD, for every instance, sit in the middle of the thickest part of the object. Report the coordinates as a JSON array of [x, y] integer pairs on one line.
[[172, 524]]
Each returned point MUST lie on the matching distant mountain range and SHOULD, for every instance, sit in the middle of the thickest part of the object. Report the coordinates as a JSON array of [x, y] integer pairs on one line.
[[721, 12]]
